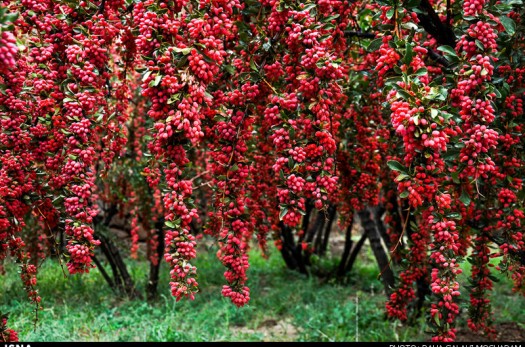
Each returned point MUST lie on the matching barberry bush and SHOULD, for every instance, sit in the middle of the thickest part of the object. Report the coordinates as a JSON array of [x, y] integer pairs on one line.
[[264, 120]]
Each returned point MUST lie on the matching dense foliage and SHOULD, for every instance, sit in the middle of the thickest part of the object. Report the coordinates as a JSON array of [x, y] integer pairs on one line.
[[240, 118]]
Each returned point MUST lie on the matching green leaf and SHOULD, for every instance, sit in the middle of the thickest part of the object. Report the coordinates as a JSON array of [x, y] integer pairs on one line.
[[411, 4], [11, 17], [374, 45], [454, 215], [403, 94], [508, 24], [182, 61], [394, 165], [184, 51], [493, 278], [230, 69], [480, 45], [174, 98], [409, 26], [331, 18], [284, 211], [497, 92], [455, 177], [146, 75], [290, 162], [450, 53], [447, 49], [309, 7], [402, 176], [156, 82], [169, 224], [253, 66], [409, 54], [421, 72], [403, 194], [465, 198], [436, 319]]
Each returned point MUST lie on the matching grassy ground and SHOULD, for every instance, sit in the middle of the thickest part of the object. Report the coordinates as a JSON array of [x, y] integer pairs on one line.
[[284, 306]]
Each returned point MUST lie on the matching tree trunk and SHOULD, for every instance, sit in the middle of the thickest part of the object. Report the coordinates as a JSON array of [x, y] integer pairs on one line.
[[102, 270], [328, 229], [378, 217], [346, 251], [154, 269], [370, 226], [355, 252], [287, 247], [112, 263], [315, 229], [128, 285]]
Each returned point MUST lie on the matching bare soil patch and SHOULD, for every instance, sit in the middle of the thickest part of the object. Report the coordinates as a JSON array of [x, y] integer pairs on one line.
[[271, 330]]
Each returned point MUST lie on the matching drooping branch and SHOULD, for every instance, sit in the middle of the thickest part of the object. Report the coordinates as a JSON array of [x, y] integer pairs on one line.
[[351, 33], [431, 22], [431, 53]]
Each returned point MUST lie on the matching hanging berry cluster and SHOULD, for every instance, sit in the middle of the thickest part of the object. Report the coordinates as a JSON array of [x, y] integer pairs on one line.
[[183, 48], [448, 144], [8, 48], [244, 118], [302, 111]]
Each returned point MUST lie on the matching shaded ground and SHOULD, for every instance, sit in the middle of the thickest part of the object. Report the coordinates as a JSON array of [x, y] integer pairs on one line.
[[506, 332]]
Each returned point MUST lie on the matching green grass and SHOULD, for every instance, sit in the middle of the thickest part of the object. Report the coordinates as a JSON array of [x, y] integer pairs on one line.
[[284, 306]]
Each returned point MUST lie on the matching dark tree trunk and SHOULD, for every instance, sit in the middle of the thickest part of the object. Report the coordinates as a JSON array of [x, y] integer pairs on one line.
[[355, 252], [104, 273], [328, 229], [315, 231], [61, 242], [287, 247], [154, 269], [119, 268], [314, 228], [423, 291], [306, 220], [398, 220], [112, 263], [122, 280], [422, 283], [370, 226], [378, 217], [346, 251]]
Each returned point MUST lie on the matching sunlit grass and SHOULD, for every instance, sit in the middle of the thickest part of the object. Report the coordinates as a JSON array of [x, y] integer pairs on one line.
[[284, 306]]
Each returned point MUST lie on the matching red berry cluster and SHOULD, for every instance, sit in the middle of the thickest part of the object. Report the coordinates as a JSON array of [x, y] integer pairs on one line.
[[6, 334]]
